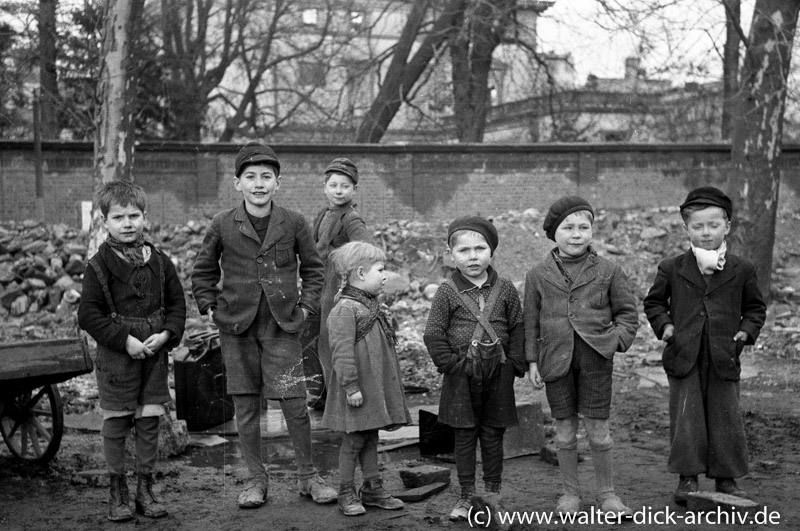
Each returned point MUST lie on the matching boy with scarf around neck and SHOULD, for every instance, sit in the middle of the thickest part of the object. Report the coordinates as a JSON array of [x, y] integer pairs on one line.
[[477, 397], [579, 311], [706, 306], [132, 304], [366, 391], [245, 279], [335, 225]]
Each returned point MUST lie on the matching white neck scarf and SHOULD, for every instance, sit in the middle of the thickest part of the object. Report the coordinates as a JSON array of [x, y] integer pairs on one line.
[[710, 261]]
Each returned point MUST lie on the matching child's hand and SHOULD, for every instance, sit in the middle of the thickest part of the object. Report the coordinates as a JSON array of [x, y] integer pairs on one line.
[[156, 341], [741, 335], [136, 349], [210, 314], [534, 376], [669, 332], [355, 400]]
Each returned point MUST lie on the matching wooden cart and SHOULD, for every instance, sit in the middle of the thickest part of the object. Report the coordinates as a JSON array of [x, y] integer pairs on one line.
[[31, 413]]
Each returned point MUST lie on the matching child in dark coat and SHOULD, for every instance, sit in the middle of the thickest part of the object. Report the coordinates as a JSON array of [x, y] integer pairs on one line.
[[579, 311], [475, 337], [132, 304], [366, 392], [706, 305]]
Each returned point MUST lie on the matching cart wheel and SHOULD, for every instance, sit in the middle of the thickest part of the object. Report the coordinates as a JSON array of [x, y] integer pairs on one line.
[[32, 424]]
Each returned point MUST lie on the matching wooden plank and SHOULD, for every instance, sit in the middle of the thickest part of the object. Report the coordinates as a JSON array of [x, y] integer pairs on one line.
[[43, 358]]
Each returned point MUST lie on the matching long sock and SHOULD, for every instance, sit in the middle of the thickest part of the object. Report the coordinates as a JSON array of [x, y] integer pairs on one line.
[[298, 423], [248, 424]]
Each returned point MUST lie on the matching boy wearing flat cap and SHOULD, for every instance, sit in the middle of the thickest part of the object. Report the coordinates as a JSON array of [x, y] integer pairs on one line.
[[475, 337], [579, 311], [706, 306], [257, 250], [335, 225]]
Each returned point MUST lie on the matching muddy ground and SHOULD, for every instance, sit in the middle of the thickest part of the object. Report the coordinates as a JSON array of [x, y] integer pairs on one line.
[[200, 487]]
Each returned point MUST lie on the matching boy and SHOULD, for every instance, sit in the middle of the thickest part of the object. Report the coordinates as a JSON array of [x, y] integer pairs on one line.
[[334, 226], [579, 310], [474, 336], [254, 249], [132, 304], [706, 305]]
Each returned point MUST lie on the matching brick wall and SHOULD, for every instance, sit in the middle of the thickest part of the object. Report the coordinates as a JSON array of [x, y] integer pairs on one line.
[[426, 182]]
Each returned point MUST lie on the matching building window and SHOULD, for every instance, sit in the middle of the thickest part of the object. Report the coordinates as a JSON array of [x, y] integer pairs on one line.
[[311, 73], [310, 17]]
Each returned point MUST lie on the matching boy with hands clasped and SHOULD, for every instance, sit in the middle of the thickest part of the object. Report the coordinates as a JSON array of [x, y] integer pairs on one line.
[[579, 311], [706, 305]]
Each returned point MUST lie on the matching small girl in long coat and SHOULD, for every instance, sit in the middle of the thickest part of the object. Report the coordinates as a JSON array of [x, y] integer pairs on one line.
[[367, 389]]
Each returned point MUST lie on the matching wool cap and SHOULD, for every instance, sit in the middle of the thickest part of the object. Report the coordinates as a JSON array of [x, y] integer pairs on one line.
[[344, 166], [253, 153], [561, 209], [477, 224], [709, 195]]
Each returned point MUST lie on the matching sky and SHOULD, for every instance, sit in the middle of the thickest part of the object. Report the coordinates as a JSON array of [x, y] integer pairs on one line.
[[683, 41]]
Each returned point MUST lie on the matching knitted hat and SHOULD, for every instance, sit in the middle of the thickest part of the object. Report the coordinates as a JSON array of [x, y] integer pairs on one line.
[[561, 209], [477, 224], [254, 153], [343, 166], [708, 195]]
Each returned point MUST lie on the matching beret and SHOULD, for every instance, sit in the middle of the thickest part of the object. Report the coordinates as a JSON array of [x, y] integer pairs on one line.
[[253, 153], [711, 196], [477, 224], [344, 166], [561, 209]]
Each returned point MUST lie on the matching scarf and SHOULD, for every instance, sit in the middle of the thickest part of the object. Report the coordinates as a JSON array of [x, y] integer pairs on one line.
[[132, 252], [710, 261], [365, 321]]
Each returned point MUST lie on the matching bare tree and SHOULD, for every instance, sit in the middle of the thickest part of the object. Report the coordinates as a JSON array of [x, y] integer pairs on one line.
[[48, 82], [757, 131], [730, 62]]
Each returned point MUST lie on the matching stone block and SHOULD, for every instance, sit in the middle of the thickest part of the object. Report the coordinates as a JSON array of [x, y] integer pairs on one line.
[[709, 501], [549, 454], [420, 493], [420, 476], [526, 438]]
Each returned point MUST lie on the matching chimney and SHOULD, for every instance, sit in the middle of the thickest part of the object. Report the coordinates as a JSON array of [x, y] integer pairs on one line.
[[632, 68]]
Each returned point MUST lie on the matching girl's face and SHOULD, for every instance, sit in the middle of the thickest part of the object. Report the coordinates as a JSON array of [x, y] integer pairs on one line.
[[339, 189], [574, 234], [371, 280], [707, 228]]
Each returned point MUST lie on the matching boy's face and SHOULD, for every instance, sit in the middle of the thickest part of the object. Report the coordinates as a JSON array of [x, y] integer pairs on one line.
[[371, 280], [472, 254], [339, 189], [707, 228], [574, 234], [124, 223], [258, 184]]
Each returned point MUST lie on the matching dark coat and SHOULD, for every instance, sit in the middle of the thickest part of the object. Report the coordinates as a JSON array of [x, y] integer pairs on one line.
[[729, 302], [252, 268], [600, 306]]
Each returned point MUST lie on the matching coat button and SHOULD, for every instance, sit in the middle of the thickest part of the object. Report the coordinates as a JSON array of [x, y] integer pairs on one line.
[[260, 260], [702, 314]]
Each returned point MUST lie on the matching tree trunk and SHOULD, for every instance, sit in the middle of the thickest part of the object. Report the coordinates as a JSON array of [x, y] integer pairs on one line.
[[730, 63], [116, 91], [757, 130], [47, 69]]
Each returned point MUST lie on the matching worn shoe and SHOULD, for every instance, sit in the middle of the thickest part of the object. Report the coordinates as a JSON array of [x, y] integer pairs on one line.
[[118, 509], [464, 504], [254, 494], [568, 504], [146, 502], [686, 484], [373, 494], [317, 489], [729, 486], [611, 503], [349, 503]]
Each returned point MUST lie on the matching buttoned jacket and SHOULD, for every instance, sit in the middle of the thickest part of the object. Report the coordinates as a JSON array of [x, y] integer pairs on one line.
[[730, 301], [599, 306], [247, 268]]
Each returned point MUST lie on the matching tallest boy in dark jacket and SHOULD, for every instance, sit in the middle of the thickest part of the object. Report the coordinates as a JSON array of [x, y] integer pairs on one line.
[[259, 311], [706, 305]]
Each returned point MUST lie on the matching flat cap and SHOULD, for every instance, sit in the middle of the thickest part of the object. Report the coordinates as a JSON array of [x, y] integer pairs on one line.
[[344, 166], [710, 196], [254, 153]]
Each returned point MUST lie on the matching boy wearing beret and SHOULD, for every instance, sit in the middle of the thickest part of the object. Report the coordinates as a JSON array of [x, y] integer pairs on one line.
[[706, 306], [257, 250], [335, 225], [475, 335], [579, 311]]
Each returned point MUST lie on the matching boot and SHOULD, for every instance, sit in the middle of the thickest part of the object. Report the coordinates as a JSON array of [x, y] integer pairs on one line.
[[729, 486], [146, 502], [118, 509], [570, 500], [464, 503], [373, 494], [349, 503], [604, 472], [686, 484]]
